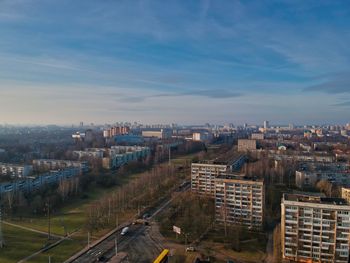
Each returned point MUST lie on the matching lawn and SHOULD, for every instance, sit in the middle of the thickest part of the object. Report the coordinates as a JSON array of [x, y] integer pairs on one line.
[[19, 244], [68, 219]]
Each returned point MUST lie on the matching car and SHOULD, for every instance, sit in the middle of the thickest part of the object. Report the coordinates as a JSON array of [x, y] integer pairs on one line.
[[145, 216], [190, 249]]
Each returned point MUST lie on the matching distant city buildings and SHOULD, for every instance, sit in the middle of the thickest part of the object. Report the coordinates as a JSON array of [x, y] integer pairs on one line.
[[115, 156], [266, 125], [160, 134], [315, 229], [116, 130], [202, 136], [257, 136]]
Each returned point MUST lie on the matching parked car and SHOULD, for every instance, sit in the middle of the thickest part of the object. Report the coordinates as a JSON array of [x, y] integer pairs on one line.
[[190, 249]]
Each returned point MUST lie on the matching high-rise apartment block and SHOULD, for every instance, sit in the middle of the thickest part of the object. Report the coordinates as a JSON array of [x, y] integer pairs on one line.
[[266, 125], [203, 177], [314, 229], [239, 201]]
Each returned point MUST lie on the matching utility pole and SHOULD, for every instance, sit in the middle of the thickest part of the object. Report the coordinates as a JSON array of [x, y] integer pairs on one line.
[[49, 220], [116, 245], [169, 155], [2, 242], [89, 239]]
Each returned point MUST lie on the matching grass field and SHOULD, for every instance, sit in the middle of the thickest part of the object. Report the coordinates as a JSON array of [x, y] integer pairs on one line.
[[20, 243], [68, 219]]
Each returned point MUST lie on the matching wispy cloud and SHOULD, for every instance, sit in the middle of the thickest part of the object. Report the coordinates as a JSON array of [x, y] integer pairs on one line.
[[210, 94], [342, 104], [337, 83]]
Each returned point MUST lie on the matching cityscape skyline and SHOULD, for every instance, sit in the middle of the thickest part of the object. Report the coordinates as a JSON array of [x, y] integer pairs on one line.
[[151, 62]]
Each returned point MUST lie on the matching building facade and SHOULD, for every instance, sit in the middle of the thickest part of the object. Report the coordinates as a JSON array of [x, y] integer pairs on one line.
[[258, 136], [246, 145], [53, 164], [203, 177], [15, 170], [314, 229], [239, 201], [160, 134], [345, 194]]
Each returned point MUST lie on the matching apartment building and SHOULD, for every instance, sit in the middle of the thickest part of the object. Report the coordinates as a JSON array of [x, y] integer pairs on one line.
[[239, 201], [53, 164], [258, 136], [160, 134], [310, 173], [116, 130], [203, 177], [246, 145], [203, 174], [90, 153], [15, 170], [345, 194], [314, 229]]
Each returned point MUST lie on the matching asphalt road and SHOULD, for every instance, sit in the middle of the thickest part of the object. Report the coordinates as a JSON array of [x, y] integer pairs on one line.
[[106, 249], [137, 243]]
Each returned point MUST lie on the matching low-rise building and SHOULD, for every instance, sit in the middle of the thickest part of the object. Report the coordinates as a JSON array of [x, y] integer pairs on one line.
[[314, 229], [160, 134], [54, 164], [15, 170]]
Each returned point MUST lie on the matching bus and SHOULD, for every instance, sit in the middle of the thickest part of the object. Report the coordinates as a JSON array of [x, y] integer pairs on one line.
[[163, 257]]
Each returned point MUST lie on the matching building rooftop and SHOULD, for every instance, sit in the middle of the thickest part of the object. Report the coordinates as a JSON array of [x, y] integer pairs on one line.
[[314, 199], [234, 176], [224, 159]]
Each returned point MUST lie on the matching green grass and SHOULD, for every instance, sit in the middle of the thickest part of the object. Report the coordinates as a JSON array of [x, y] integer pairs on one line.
[[19, 244], [70, 217], [61, 252]]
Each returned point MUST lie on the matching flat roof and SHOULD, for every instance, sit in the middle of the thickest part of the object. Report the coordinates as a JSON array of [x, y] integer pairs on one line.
[[224, 159], [314, 199]]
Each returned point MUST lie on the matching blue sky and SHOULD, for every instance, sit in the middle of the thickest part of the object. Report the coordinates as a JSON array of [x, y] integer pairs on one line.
[[174, 61]]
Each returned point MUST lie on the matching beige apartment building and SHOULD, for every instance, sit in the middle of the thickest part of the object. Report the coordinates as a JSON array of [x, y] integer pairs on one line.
[[239, 201], [314, 229], [246, 145], [203, 177], [345, 194]]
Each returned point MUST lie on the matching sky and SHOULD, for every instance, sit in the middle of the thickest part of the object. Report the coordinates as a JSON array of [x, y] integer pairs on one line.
[[186, 62]]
